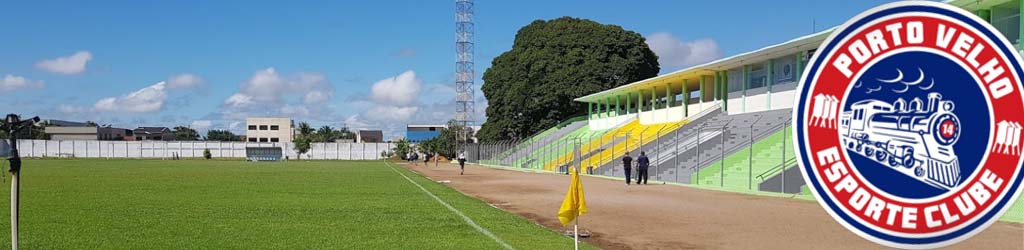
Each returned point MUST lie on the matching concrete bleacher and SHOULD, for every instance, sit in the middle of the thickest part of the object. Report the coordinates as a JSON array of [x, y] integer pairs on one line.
[[592, 148], [547, 153], [790, 181], [531, 150], [524, 152], [747, 167], [712, 128], [661, 148], [739, 131]]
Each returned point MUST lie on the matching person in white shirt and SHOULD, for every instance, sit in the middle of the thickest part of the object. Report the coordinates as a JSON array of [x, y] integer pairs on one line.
[[462, 162]]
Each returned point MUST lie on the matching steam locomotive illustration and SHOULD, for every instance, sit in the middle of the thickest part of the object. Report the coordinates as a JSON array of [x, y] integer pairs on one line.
[[914, 138]]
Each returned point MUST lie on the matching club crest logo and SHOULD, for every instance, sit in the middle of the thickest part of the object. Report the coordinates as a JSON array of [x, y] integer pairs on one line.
[[908, 124]]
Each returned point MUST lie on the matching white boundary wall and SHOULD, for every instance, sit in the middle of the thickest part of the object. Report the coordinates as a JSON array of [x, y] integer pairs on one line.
[[188, 149]]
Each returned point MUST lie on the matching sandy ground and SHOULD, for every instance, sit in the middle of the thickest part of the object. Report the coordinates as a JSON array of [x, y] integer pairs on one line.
[[675, 217]]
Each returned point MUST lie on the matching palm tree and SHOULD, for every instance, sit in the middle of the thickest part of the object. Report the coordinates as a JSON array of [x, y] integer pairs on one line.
[[326, 134], [305, 129]]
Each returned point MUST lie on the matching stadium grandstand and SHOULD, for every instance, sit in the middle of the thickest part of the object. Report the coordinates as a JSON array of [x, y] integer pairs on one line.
[[725, 123]]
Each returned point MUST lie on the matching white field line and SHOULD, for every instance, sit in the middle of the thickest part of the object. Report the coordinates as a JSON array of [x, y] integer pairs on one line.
[[465, 218]]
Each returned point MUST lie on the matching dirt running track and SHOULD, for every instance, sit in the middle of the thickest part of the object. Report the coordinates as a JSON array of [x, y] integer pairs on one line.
[[675, 217]]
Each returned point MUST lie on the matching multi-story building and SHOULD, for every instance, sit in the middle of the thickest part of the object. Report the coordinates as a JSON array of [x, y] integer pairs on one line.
[[369, 136], [269, 129], [115, 134], [418, 133], [72, 133]]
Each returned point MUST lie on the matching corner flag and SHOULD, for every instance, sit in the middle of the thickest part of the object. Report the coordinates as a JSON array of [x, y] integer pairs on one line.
[[574, 203]]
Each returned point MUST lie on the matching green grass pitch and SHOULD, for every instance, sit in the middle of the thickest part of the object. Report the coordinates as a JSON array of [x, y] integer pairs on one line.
[[210, 204]]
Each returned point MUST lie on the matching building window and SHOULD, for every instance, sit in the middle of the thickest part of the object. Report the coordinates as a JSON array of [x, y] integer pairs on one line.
[[1006, 19], [252, 139], [252, 127], [263, 127], [274, 127], [157, 138], [784, 70], [263, 139], [274, 139], [757, 75], [138, 138], [735, 80]]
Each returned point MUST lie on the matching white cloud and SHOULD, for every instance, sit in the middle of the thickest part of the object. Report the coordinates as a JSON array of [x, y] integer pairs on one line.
[[403, 99], [184, 81], [70, 109], [235, 126], [145, 100], [391, 113], [393, 100], [239, 100], [202, 125], [267, 92], [68, 65], [400, 90], [405, 52], [268, 87], [294, 110], [676, 53], [316, 96], [356, 122], [13, 82]]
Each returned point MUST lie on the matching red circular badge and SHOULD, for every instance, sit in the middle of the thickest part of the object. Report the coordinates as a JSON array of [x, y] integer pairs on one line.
[[908, 124]]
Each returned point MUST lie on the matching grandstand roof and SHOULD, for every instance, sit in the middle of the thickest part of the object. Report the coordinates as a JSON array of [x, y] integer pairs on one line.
[[693, 73], [976, 4], [807, 42]]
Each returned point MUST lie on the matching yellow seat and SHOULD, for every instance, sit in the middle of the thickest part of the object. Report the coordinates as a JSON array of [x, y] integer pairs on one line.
[[634, 133]]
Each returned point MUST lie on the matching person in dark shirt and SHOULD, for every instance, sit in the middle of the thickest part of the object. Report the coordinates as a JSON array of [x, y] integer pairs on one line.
[[626, 162], [642, 163]]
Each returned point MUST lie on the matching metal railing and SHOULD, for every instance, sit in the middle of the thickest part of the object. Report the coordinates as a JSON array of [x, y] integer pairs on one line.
[[746, 156]]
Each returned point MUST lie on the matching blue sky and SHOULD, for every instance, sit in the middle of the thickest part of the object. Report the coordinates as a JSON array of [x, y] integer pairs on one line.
[[364, 64]]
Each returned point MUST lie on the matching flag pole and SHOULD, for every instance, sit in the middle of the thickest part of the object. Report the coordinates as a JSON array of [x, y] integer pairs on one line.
[[576, 222], [576, 232]]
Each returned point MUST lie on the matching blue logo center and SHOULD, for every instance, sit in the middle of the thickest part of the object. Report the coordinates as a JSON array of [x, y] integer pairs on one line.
[[915, 124]]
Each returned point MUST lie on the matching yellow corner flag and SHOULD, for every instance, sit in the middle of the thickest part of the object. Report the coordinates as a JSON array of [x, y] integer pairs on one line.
[[574, 203]]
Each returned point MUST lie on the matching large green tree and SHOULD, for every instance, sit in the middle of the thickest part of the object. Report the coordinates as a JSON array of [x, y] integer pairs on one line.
[[302, 145], [532, 86], [325, 134], [221, 135], [182, 133]]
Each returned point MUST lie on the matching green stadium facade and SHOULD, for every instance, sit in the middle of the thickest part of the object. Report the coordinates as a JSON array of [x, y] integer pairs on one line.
[[722, 124]]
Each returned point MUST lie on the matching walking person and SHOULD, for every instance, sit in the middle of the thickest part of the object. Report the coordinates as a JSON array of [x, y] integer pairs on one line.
[[462, 162], [642, 163], [626, 163]]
